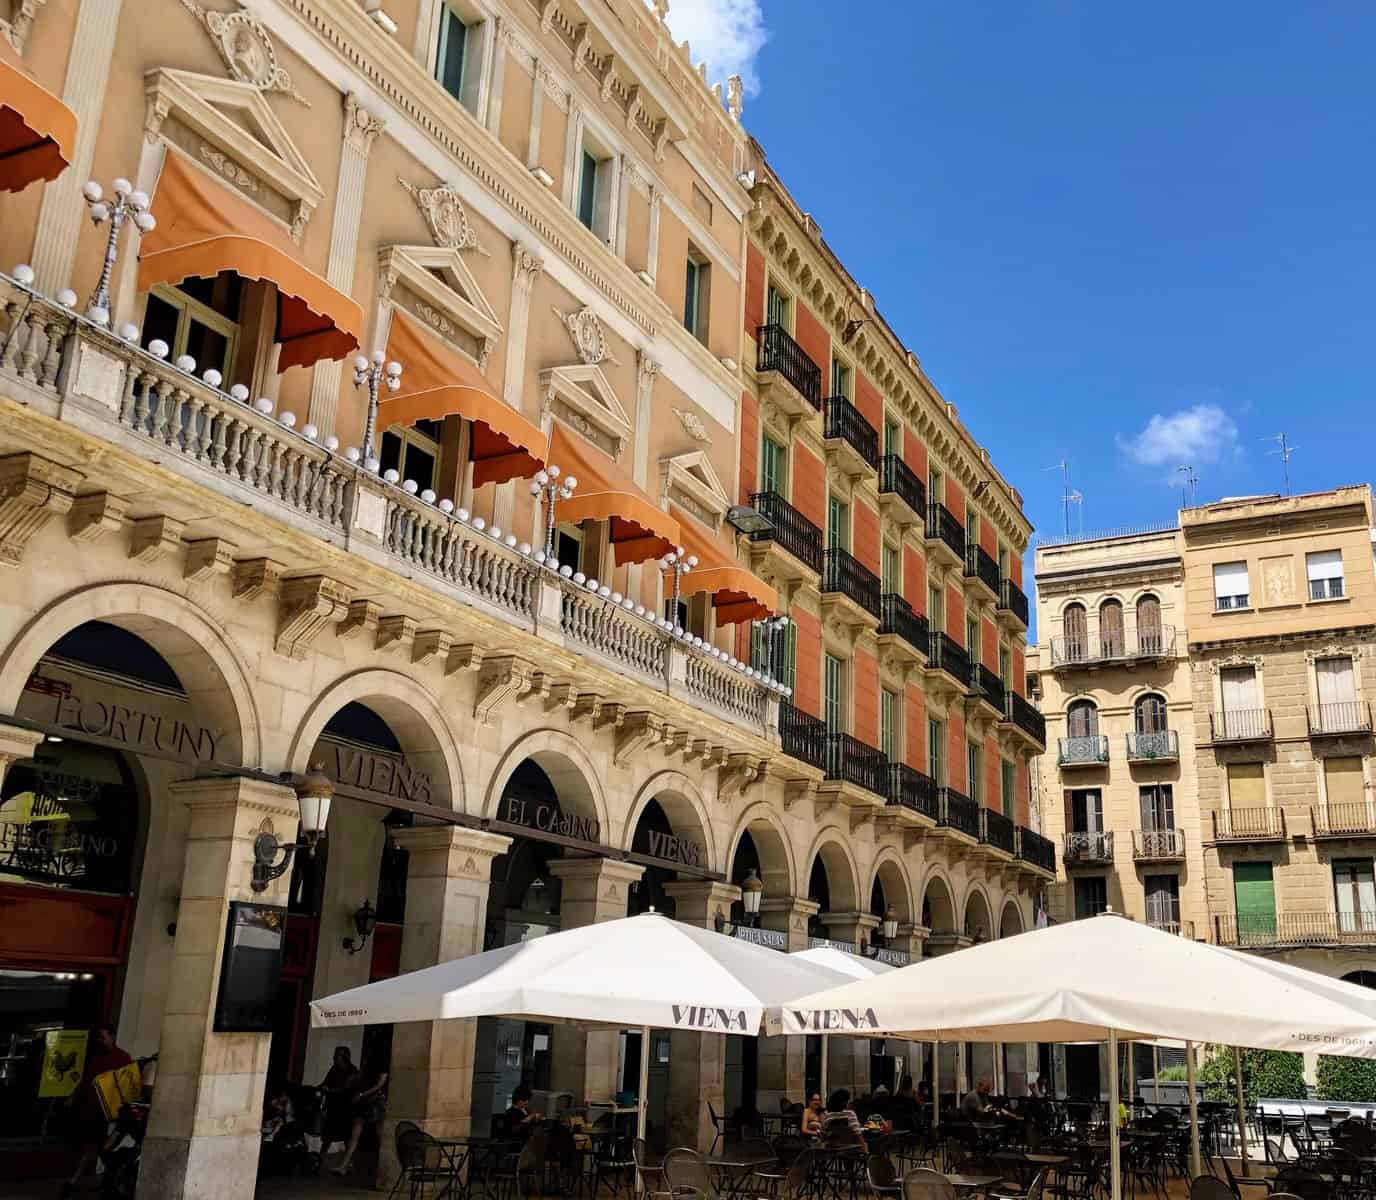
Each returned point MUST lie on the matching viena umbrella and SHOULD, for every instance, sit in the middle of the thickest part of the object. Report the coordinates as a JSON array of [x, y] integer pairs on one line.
[[646, 972], [1101, 980], [852, 966]]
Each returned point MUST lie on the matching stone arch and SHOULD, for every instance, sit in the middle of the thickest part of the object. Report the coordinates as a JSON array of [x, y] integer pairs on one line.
[[1011, 920], [772, 843], [194, 645], [978, 921], [892, 875], [938, 910], [843, 876], [412, 713], [570, 769], [683, 804]]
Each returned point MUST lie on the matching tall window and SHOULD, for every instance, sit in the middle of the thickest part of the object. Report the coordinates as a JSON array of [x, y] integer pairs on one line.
[[838, 524], [413, 452], [1157, 804], [199, 317], [971, 528], [777, 307], [1006, 666], [936, 486], [1231, 589], [840, 378], [1075, 632], [1246, 786], [1354, 894], [972, 639], [1149, 714], [1344, 790], [1325, 571], [1337, 688], [1082, 719], [1241, 715], [596, 188], [936, 608], [1163, 901], [1084, 811], [1254, 895], [936, 739], [893, 437], [773, 466], [890, 724], [779, 658], [1150, 639], [695, 298], [1008, 782], [1003, 561], [458, 57], [1111, 629], [587, 189], [1091, 896], [974, 766], [891, 569], [833, 694]]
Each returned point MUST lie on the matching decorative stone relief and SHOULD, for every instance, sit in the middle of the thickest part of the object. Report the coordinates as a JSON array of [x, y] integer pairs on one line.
[[360, 126], [227, 167], [589, 338], [445, 216], [247, 50], [1236, 660], [693, 426], [16, 29]]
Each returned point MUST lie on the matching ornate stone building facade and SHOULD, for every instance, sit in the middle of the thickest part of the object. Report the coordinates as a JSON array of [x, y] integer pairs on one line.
[[232, 557]]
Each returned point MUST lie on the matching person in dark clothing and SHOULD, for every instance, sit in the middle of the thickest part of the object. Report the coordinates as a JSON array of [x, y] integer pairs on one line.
[[519, 1121], [339, 1085], [89, 1116]]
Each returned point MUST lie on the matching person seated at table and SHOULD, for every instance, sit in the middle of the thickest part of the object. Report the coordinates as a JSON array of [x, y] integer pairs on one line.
[[841, 1118], [1036, 1090], [810, 1123], [976, 1106], [518, 1120], [905, 1109]]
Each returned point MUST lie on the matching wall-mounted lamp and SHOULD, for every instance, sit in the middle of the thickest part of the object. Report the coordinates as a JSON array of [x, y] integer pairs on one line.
[[314, 791], [752, 892], [885, 934], [365, 921]]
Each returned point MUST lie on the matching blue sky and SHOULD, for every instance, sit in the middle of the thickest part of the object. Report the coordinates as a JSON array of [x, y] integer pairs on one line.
[[1130, 236]]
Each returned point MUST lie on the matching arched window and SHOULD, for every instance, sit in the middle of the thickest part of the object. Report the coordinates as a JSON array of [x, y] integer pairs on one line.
[[1149, 714], [1111, 629], [1083, 718], [1150, 639], [1075, 628]]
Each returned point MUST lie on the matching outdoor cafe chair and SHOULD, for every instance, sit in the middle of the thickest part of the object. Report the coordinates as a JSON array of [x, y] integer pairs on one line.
[[883, 1179], [1302, 1182], [1235, 1185], [922, 1183], [685, 1171], [1005, 1191], [421, 1160], [725, 1128], [1210, 1187], [613, 1157], [653, 1184]]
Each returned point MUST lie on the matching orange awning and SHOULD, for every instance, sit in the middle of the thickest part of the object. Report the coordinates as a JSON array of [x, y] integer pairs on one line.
[[437, 383], [639, 529], [204, 228], [737, 593], [37, 131]]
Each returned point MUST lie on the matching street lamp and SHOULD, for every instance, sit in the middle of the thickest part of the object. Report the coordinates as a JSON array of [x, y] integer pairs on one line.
[[680, 563], [752, 892], [314, 791], [772, 627], [365, 921], [885, 934], [373, 374], [128, 204], [547, 484]]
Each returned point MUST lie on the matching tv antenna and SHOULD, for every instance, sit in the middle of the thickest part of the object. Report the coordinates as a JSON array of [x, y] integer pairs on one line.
[[1191, 479], [1068, 497], [1285, 451]]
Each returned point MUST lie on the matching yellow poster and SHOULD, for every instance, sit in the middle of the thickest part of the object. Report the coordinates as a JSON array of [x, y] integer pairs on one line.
[[64, 1059]]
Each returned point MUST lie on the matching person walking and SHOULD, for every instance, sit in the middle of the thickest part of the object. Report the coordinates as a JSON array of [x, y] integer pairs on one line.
[[369, 1106], [89, 1120]]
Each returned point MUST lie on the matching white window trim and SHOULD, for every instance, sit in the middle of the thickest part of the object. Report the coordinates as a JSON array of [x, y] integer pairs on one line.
[[588, 133], [1231, 577], [481, 20], [772, 281]]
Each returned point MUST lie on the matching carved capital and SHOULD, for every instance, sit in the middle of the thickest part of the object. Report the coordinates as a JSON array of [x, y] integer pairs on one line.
[[360, 126], [361, 617], [395, 632], [95, 515], [206, 557], [430, 644], [527, 262], [308, 603], [152, 537], [32, 489], [500, 679], [637, 731], [252, 577]]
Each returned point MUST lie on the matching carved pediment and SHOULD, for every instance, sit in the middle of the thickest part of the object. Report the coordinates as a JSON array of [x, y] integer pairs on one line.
[[434, 284], [445, 216], [230, 128], [690, 482], [246, 48], [583, 398]]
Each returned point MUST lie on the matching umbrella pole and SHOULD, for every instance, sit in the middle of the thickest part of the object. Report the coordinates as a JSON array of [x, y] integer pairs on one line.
[[1155, 1074], [642, 1103], [1114, 1158], [1194, 1111], [1241, 1111], [936, 1084], [826, 1054]]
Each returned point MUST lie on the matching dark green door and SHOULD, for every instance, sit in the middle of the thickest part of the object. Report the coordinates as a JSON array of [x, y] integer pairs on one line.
[[1254, 893]]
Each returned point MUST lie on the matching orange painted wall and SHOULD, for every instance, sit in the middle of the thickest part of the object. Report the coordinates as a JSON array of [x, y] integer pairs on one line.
[[989, 644], [1015, 568], [993, 782], [914, 580], [955, 501], [1020, 781], [955, 613], [809, 486], [809, 333], [754, 290], [988, 538], [915, 735], [864, 530], [750, 444], [957, 766], [870, 403], [807, 693], [865, 697], [915, 455], [1019, 671]]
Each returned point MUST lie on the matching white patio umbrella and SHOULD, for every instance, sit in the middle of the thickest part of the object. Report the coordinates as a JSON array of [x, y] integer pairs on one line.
[[645, 972], [853, 966], [1099, 980]]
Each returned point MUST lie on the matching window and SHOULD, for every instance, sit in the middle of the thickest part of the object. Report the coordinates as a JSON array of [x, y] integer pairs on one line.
[[1008, 781], [1163, 901], [779, 659], [1084, 811], [1111, 643], [1091, 896], [1156, 803], [1325, 571], [838, 524], [974, 766], [890, 724], [1246, 786], [777, 307], [1242, 715], [568, 544], [1342, 784], [1354, 895], [773, 466], [833, 694], [893, 437], [1337, 688], [695, 298], [458, 57], [1003, 561], [936, 608], [972, 639], [891, 569], [1082, 719], [1006, 666], [587, 190], [1149, 714], [1149, 637], [840, 378], [936, 739], [1230, 586], [1254, 894], [972, 529], [596, 187], [1075, 633], [199, 317], [413, 452], [936, 486]]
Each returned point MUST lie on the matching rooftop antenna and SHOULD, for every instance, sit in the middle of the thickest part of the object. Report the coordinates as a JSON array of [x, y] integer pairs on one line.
[[1285, 451], [1066, 497], [1077, 498], [1191, 479]]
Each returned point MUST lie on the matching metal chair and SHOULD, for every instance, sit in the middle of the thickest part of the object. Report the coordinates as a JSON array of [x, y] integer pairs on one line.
[[922, 1183], [421, 1161], [883, 1179], [1033, 1192], [685, 1171], [1210, 1187], [1302, 1182], [652, 1181]]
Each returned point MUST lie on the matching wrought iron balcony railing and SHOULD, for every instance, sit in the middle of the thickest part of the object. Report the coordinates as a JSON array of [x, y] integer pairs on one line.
[[1158, 843], [1172, 925], [896, 477], [985, 682], [945, 654], [1160, 746], [943, 526], [803, 736], [1332, 720], [1081, 751], [997, 831], [843, 572], [792, 531], [1106, 644], [1256, 930], [779, 352], [1022, 713], [843, 420], [957, 811], [910, 788], [1249, 824], [1241, 725], [1013, 599], [896, 617], [1349, 819], [1035, 849], [1088, 848], [850, 760], [981, 565]]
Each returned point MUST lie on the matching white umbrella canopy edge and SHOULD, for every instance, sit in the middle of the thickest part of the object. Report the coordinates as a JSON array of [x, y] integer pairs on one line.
[[851, 965]]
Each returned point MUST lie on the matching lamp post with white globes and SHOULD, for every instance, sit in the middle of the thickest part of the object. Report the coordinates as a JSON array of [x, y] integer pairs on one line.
[[772, 628], [680, 563], [373, 374], [547, 483], [128, 204]]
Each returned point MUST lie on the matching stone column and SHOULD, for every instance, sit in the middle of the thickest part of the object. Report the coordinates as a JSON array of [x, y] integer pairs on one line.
[[591, 890], [448, 873], [526, 265], [783, 1060], [203, 1130], [16, 745], [697, 1061], [360, 129], [848, 1058], [652, 249]]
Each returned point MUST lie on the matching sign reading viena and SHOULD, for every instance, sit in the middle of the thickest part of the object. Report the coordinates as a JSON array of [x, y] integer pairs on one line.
[[699, 1016], [833, 1020]]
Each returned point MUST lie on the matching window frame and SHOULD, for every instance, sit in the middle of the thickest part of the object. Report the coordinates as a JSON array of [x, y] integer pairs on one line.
[[696, 294], [410, 436], [1232, 601], [890, 554], [891, 724], [834, 698], [1326, 589], [974, 771], [779, 454], [477, 24], [841, 526], [605, 158], [936, 750], [1008, 786], [842, 378], [771, 290], [190, 309], [892, 435]]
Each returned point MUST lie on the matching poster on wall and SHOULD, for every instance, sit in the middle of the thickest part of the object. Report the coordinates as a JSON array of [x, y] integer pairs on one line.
[[64, 1061], [251, 968]]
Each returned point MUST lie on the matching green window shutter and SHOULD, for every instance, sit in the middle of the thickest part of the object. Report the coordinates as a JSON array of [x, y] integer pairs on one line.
[[1254, 893]]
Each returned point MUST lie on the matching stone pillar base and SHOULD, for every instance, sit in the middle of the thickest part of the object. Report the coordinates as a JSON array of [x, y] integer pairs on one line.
[[200, 1168]]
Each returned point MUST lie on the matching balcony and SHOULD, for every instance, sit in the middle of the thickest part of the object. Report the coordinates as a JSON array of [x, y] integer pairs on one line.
[[1172, 925], [1161, 746], [1013, 601], [1036, 851], [850, 591], [1241, 725], [902, 495], [849, 760], [851, 442], [945, 537], [1350, 717], [780, 361], [982, 568], [957, 812], [1287, 930], [910, 789], [987, 688], [1024, 717], [792, 548], [998, 832], [1128, 646], [1158, 845], [1088, 849], [902, 632], [948, 666], [1249, 825], [803, 736], [1088, 750], [1349, 820]]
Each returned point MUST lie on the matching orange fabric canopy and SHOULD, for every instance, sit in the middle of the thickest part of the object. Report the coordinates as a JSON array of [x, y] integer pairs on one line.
[[37, 131], [737, 593], [436, 383], [639, 529], [205, 228]]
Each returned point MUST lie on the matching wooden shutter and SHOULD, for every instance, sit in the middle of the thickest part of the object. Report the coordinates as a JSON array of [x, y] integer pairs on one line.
[[1246, 785], [1343, 780], [1068, 799], [1111, 628]]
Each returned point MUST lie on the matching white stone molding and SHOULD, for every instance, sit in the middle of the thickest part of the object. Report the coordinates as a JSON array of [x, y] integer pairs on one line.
[[453, 306], [693, 426], [15, 29], [691, 483], [246, 49], [445, 216], [526, 265], [583, 398]]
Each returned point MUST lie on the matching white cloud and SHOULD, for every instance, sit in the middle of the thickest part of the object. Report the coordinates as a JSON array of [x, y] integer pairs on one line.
[[725, 34], [1201, 434]]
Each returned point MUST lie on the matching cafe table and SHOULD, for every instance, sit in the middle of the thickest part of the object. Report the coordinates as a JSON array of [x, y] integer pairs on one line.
[[972, 1183]]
